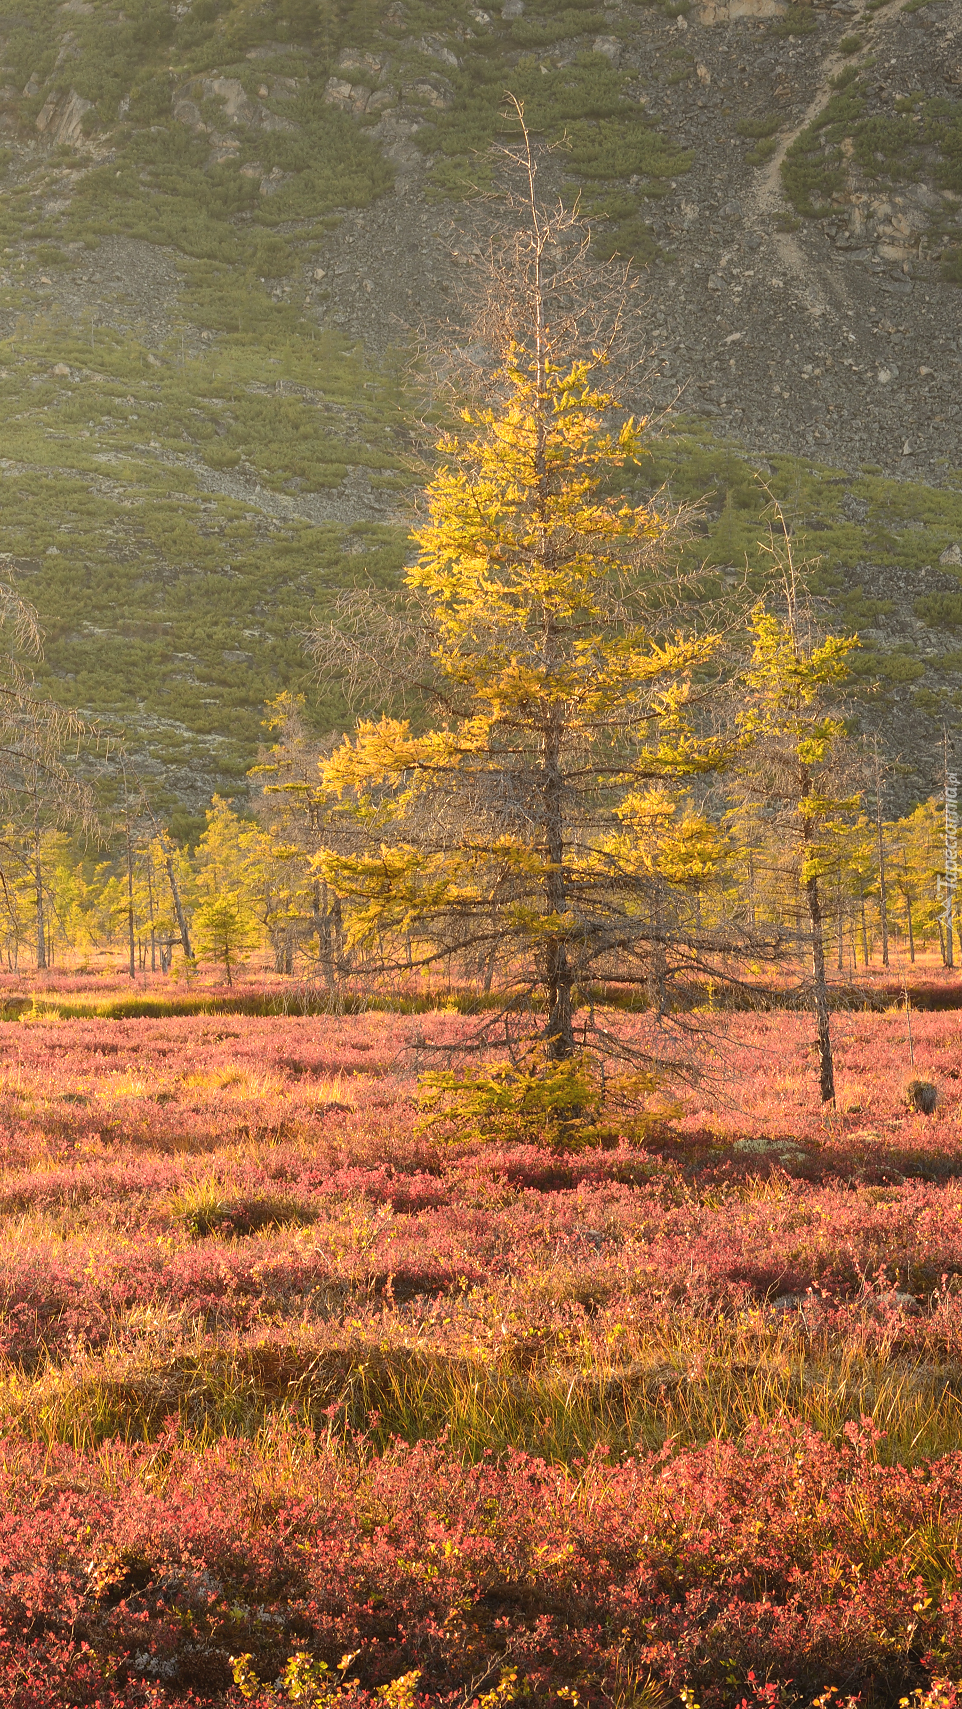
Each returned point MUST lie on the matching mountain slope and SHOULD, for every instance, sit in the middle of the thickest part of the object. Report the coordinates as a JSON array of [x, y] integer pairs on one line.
[[222, 226]]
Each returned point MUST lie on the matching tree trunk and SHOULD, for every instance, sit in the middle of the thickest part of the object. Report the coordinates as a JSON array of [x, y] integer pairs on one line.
[[657, 978], [864, 933], [559, 1032], [882, 900], [41, 922], [908, 912], [150, 904], [130, 908], [178, 906], [822, 1021]]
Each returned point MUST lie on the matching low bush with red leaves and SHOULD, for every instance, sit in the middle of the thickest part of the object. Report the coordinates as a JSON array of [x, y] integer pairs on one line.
[[289, 1382]]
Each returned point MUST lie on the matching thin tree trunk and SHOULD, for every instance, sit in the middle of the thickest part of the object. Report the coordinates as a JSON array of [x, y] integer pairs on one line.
[[822, 1020], [178, 905], [908, 915], [882, 899], [150, 904], [130, 905], [41, 922], [951, 853], [559, 982], [558, 978], [864, 933]]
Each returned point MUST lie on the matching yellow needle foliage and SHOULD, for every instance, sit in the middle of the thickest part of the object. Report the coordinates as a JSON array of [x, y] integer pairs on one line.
[[793, 738], [539, 833]]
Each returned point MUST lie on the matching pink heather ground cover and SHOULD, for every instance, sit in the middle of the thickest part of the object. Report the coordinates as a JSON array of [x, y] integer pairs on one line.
[[280, 1371]]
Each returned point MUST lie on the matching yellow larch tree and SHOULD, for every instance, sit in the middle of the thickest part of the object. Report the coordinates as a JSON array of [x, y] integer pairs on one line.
[[540, 829]]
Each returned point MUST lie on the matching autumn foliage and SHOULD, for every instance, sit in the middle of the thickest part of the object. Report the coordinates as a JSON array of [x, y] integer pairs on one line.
[[286, 1375]]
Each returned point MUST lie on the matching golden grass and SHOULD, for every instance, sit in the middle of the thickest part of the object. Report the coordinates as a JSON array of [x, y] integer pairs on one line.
[[676, 1378]]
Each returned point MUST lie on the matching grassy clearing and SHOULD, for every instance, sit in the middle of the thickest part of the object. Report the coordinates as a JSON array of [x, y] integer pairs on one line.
[[678, 1379]]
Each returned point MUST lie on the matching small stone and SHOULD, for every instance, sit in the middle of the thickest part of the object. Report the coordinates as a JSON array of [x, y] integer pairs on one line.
[[952, 556], [895, 287]]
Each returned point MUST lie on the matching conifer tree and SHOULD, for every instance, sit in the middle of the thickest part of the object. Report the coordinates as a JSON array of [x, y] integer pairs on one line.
[[240, 875], [225, 929], [793, 735], [544, 827], [42, 785], [293, 806], [918, 862]]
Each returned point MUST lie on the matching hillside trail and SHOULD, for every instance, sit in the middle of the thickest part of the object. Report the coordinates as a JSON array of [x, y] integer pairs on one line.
[[765, 194]]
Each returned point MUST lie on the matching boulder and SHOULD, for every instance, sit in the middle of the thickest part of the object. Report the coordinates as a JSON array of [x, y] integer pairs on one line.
[[238, 107], [61, 117]]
